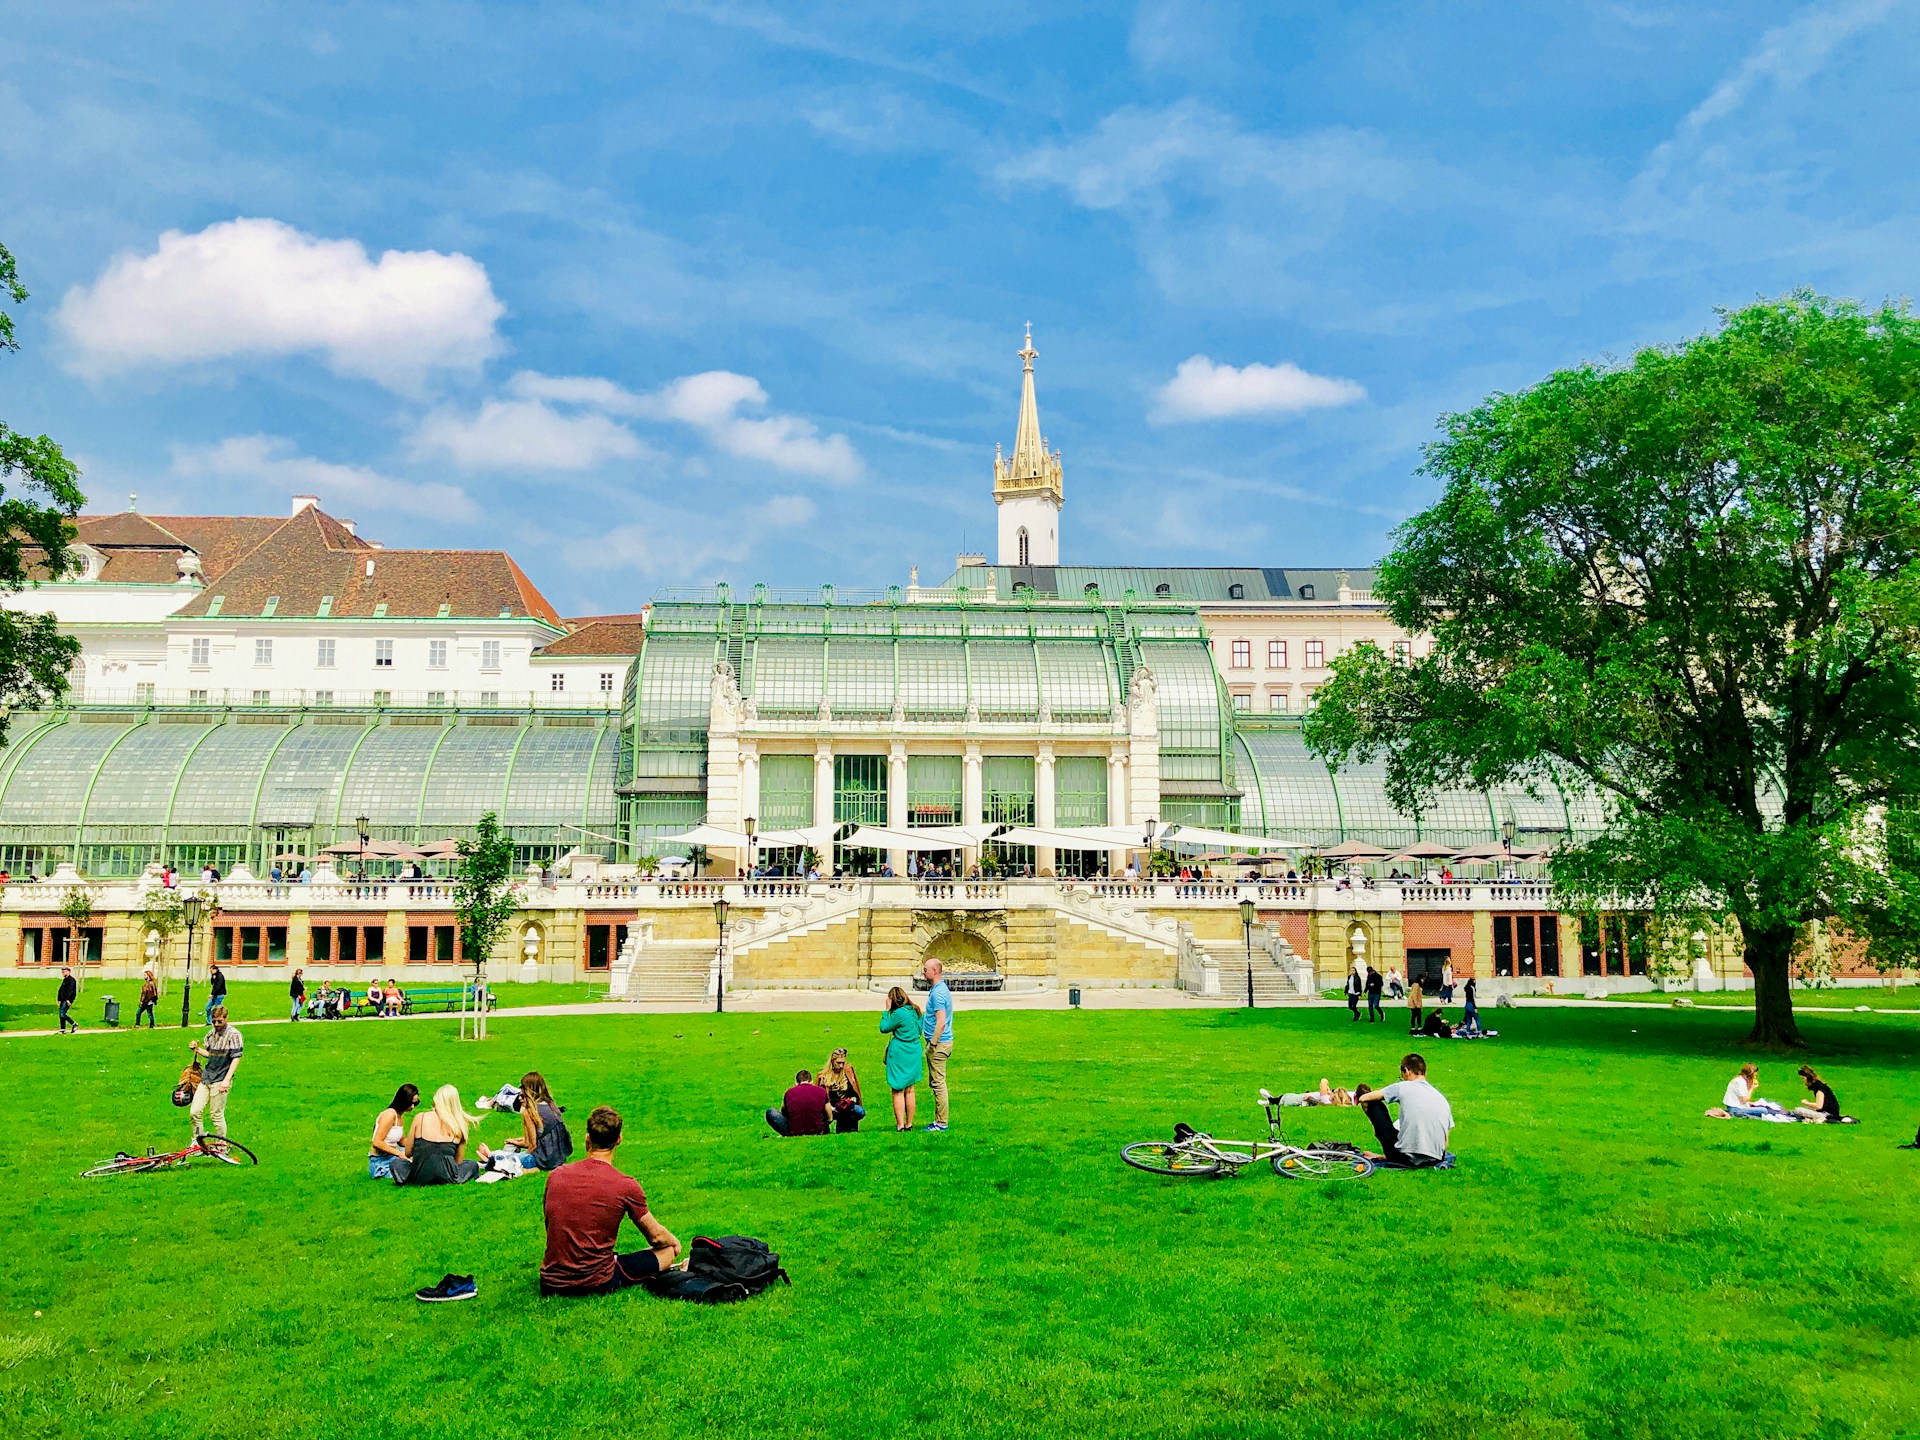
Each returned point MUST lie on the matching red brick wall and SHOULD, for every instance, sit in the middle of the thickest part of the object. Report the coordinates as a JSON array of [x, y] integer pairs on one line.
[[1293, 929], [1442, 930]]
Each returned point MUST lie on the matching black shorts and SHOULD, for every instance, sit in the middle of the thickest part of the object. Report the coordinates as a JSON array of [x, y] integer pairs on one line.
[[627, 1270]]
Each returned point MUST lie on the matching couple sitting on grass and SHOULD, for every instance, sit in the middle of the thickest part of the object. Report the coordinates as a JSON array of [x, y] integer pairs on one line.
[[1743, 1102], [1419, 1141], [432, 1148], [808, 1103]]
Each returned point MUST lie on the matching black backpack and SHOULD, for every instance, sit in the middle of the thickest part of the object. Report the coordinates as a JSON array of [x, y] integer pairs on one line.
[[730, 1268]]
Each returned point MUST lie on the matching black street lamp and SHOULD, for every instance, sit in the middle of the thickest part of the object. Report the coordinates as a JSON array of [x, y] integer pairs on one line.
[[1506, 835], [1152, 825], [720, 908], [1246, 924], [360, 824], [750, 848], [189, 912]]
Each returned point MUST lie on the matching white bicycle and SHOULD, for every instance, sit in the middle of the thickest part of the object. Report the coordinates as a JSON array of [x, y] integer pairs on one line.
[[1191, 1152]]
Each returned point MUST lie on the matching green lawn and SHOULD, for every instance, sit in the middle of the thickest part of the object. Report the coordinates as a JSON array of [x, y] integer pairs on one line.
[[29, 1004], [1604, 1261], [1874, 997]]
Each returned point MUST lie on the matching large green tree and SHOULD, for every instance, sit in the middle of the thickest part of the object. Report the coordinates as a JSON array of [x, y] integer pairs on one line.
[[1689, 585], [39, 496]]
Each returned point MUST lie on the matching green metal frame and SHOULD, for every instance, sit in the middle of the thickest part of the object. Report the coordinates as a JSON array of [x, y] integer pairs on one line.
[[86, 799]]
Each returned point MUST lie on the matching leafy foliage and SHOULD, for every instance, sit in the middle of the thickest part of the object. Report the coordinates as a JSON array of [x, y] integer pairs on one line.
[[39, 496], [1687, 585], [483, 890]]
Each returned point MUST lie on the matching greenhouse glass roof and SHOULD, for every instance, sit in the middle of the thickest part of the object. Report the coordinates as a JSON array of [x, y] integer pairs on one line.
[[145, 783]]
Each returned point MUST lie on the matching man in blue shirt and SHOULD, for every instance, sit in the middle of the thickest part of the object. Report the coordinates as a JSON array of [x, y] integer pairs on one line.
[[938, 1028]]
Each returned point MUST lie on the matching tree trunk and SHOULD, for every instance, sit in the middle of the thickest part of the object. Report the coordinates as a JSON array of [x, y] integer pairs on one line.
[[1769, 955]]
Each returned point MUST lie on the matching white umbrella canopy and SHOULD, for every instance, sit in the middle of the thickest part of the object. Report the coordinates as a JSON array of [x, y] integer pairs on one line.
[[1195, 837], [1353, 850], [710, 836], [1426, 850]]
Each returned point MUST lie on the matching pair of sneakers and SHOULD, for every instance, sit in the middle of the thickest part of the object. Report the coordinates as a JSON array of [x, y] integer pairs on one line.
[[934, 1127], [451, 1287]]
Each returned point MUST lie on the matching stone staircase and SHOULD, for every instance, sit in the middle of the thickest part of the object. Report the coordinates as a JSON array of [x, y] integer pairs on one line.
[[662, 972], [1273, 984]]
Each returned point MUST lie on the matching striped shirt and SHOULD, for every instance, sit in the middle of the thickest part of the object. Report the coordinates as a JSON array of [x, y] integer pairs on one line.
[[223, 1048]]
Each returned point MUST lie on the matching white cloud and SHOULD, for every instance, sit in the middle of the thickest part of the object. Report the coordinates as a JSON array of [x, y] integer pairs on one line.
[[1202, 390], [252, 287], [524, 435], [671, 544], [710, 403], [272, 463]]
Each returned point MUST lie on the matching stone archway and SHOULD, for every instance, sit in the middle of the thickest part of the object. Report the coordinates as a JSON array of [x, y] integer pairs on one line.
[[962, 953]]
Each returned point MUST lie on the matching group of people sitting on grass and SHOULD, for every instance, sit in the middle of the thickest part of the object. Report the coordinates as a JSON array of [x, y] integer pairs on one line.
[[1419, 1140], [1744, 1102], [411, 1146], [811, 1103]]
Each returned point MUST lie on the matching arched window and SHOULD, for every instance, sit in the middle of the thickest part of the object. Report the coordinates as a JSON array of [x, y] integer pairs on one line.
[[1162, 590], [1025, 551], [1092, 588]]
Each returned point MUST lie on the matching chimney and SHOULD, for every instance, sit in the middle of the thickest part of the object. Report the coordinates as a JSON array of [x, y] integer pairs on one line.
[[303, 502], [347, 525]]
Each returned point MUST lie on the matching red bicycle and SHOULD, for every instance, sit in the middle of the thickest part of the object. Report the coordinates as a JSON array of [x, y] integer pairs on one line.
[[210, 1149]]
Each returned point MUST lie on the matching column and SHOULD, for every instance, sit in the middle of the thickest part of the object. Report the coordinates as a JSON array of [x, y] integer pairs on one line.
[[1117, 806], [897, 802], [1043, 804], [749, 799], [823, 801], [971, 801]]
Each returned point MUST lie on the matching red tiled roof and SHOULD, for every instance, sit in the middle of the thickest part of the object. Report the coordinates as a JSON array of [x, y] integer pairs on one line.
[[600, 635]]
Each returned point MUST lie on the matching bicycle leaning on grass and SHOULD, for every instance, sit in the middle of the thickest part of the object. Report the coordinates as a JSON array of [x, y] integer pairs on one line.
[[1191, 1152], [207, 1149]]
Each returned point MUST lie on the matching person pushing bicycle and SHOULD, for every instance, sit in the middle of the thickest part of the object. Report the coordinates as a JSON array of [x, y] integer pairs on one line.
[[220, 1051]]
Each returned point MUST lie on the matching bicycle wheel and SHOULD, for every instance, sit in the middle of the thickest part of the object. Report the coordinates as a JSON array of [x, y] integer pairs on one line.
[[1322, 1165], [1168, 1157], [120, 1165], [229, 1152]]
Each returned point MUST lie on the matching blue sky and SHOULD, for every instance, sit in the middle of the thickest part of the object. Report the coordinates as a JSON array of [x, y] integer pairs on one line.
[[653, 295]]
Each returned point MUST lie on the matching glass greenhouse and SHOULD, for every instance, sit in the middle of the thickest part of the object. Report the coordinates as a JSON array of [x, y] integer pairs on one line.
[[116, 789]]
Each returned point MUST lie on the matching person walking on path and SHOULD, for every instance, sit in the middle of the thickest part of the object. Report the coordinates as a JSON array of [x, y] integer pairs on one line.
[[1471, 1020], [939, 1030], [1356, 987], [1415, 1002], [297, 993], [1374, 986], [905, 1056], [69, 992], [220, 1049], [149, 1002], [216, 992]]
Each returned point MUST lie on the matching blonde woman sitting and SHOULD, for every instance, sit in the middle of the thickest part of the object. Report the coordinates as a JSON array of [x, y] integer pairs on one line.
[[435, 1150]]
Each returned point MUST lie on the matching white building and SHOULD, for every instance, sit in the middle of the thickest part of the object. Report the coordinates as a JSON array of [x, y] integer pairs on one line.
[[302, 610]]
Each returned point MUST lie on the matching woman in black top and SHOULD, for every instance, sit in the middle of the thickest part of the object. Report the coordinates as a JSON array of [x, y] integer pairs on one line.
[[1824, 1108], [435, 1151], [545, 1141]]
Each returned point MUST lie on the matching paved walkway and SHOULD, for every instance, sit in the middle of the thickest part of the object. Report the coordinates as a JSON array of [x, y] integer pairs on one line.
[[800, 1002]]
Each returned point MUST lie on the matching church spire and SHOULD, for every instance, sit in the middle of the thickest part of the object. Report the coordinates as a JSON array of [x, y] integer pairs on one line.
[[1030, 469], [1026, 484]]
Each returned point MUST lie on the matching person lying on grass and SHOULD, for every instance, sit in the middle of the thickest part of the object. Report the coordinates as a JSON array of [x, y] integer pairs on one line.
[[1426, 1119], [584, 1205], [1325, 1095]]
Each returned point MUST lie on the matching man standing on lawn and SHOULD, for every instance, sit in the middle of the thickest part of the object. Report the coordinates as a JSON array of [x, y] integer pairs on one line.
[[584, 1205], [1426, 1119], [939, 1033], [69, 992], [220, 1051]]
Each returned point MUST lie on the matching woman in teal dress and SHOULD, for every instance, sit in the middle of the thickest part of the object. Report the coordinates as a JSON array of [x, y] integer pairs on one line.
[[905, 1059]]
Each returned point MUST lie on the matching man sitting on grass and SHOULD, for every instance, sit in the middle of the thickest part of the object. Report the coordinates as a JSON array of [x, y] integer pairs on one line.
[[803, 1109], [1425, 1118], [584, 1205]]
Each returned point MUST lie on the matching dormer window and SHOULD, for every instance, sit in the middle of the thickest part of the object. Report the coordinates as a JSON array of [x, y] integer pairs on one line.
[[1236, 592], [1306, 592], [1162, 591]]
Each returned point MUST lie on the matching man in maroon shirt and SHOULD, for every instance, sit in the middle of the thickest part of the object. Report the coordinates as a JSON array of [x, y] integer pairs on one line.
[[584, 1205], [803, 1109]]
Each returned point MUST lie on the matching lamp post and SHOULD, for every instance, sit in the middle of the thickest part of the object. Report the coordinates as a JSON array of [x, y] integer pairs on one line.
[[1506, 835], [1246, 924], [190, 913], [1152, 825], [360, 825], [720, 908], [750, 848]]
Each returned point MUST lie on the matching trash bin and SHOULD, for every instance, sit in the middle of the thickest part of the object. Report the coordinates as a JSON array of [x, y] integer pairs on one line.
[[113, 1011], [1073, 996]]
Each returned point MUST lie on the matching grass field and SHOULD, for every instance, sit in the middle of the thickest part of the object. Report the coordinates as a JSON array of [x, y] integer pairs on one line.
[[30, 1004], [1604, 1261]]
